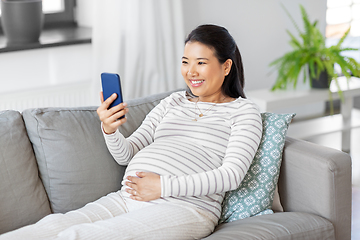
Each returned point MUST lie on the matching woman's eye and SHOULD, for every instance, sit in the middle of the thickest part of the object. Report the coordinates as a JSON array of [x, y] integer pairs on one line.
[[184, 62], [201, 63]]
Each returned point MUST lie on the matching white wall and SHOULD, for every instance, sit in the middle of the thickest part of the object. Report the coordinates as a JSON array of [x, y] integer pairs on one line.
[[46, 77], [30, 69]]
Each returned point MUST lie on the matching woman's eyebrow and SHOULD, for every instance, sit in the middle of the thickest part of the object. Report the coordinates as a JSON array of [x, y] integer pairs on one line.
[[197, 58]]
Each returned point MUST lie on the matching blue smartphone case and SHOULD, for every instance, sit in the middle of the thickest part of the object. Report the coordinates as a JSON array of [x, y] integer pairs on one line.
[[111, 84]]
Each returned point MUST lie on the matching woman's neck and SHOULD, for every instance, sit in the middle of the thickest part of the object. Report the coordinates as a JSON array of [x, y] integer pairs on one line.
[[217, 97]]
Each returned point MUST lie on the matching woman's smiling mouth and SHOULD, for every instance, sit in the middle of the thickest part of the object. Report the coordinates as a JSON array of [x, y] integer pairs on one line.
[[196, 82]]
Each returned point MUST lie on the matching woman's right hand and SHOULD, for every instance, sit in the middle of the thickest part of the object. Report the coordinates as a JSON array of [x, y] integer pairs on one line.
[[111, 117]]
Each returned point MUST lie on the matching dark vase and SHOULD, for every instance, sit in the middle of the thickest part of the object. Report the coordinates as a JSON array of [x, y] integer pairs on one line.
[[322, 81], [22, 21]]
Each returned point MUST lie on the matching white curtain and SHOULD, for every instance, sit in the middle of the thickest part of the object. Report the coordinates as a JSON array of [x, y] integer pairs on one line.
[[142, 41]]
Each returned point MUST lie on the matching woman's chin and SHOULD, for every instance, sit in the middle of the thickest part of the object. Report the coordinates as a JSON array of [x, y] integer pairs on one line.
[[195, 90]]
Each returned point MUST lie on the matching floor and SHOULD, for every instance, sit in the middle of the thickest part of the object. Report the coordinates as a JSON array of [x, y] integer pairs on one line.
[[334, 140]]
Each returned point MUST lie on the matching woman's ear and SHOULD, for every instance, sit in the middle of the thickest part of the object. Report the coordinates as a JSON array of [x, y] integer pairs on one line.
[[227, 66]]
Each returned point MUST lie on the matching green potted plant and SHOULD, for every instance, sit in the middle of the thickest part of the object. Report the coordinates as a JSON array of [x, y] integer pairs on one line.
[[311, 56]]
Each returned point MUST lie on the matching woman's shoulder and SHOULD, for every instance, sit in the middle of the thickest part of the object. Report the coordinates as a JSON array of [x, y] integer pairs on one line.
[[244, 103], [244, 110], [178, 96]]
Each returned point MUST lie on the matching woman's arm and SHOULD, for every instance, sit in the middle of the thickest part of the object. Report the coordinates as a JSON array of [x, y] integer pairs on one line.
[[123, 149], [246, 132]]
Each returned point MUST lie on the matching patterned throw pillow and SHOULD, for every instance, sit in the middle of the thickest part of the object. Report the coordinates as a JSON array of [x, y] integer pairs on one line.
[[255, 194]]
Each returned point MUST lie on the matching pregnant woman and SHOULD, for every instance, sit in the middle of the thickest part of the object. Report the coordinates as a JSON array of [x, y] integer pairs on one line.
[[191, 148]]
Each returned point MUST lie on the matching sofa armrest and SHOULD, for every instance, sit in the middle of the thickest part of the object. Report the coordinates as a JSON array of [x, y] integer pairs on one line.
[[317, 179]]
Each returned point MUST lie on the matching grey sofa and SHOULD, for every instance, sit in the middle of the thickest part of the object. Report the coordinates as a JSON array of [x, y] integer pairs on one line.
[[56, 160]]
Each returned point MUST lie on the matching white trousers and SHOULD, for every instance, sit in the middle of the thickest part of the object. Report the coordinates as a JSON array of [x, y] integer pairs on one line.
[[110, 218]]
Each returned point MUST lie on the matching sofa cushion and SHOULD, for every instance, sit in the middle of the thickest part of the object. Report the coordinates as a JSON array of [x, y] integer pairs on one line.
[[255, 194], [22, 196], [279, 226], [75, 165]]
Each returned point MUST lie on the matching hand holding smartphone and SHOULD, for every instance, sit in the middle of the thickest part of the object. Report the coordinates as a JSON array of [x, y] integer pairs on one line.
[[111, 84]]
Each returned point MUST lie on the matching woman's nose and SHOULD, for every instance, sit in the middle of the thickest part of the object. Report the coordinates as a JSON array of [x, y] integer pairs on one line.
[[192, 71]]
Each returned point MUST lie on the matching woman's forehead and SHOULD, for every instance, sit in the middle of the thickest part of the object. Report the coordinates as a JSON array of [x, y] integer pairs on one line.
[[197, 49]]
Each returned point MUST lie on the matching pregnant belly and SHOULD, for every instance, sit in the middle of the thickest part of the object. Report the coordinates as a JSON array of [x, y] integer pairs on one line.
[[174, 158]]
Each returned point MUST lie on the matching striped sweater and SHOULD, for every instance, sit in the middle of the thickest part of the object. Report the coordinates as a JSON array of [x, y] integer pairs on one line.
[[198, 161]]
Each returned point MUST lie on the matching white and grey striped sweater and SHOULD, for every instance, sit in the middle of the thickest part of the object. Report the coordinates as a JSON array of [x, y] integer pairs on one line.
[[198, 161]]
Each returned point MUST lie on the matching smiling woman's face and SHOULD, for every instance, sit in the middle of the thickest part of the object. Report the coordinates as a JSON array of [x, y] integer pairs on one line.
[[203, 73]]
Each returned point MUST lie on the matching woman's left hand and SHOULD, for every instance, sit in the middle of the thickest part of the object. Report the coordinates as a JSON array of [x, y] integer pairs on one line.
[[145, 186]]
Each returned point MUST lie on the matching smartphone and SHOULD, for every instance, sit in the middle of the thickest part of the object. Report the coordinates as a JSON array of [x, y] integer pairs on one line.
[[111, 84]]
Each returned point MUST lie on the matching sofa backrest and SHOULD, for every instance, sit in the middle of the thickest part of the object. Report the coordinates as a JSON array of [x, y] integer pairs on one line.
[[74, 162], [22, 196]]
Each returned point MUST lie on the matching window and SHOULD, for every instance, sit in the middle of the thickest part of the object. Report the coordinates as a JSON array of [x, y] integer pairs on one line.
[[58, 12], [53, 6], [340, 15]]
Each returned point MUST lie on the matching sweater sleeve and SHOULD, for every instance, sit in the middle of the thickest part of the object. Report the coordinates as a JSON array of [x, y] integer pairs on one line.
[[123, 149], [244, 140]]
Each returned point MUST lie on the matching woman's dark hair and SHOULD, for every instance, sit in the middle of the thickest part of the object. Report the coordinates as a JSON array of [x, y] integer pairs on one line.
[[224, 46]]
